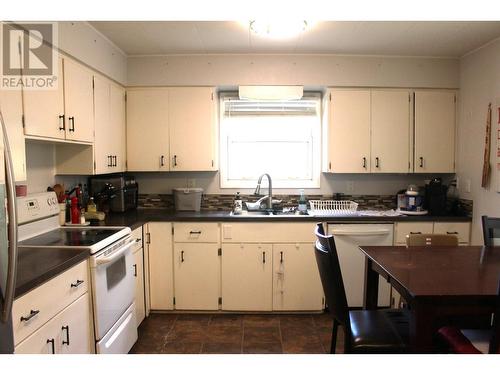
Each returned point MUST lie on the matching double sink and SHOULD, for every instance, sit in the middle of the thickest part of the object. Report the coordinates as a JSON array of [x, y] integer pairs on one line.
[[267, 214]]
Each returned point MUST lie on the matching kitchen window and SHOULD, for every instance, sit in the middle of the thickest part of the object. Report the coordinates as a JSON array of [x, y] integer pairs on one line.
[[281, 138]]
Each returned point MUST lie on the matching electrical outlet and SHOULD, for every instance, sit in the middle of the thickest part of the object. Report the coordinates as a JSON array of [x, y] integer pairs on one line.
[[191, 183], [467, 185], [350, 186]]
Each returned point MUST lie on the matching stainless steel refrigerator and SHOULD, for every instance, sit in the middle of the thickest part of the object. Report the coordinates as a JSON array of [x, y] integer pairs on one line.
[[8, 241]]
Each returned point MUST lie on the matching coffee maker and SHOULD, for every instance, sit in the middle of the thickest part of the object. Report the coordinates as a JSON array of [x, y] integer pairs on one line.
[[435, 197]]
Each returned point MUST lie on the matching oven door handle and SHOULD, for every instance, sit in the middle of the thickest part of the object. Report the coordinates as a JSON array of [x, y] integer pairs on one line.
[[103, 260]]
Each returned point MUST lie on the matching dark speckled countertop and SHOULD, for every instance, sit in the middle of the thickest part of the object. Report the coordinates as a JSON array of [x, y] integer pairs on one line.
[[38, 265], [138, 217]]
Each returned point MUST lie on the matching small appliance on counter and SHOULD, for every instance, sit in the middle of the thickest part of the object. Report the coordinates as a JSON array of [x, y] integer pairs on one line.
[[187, 199], [435, 197], [121, 189], [411, 201]]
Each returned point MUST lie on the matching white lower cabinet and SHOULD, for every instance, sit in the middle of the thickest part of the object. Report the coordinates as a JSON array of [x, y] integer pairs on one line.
[[296, 281], [247, 277], [159, 248], [140, 307], [66, 333], [196, 276]]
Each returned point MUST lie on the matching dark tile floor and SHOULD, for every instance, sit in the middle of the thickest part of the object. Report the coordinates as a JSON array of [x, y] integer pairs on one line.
[[235, 334]]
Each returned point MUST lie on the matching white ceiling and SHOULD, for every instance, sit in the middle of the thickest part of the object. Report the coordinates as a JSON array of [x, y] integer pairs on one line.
[[439, 39]]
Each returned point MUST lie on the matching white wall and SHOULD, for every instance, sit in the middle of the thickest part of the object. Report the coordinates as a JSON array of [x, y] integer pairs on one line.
[[85, 43], [308, 70], [40, 166], [162, 183], [479, 85]]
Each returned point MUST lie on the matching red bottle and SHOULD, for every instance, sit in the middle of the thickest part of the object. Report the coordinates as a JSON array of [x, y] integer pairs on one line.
[[75, 211]]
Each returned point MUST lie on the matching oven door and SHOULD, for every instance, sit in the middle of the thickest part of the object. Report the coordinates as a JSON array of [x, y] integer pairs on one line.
[[114, 286]]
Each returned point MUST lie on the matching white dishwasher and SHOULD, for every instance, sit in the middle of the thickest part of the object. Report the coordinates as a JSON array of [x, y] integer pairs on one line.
[[352, 261]]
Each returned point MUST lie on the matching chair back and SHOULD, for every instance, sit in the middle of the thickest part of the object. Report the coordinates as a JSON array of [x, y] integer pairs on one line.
[[431, 240], [331, 276], [491, 230]]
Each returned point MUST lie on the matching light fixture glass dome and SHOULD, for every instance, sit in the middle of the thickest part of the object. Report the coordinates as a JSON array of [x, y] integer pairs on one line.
[[278, 29]]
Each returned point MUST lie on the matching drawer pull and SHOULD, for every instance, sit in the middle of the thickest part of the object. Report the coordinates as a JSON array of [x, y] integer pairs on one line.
[[53, 345], [66, 328], [135, 270], [138, 240], [31, 315], [415, 232], [195, 232], [78, 282], [451, 232]]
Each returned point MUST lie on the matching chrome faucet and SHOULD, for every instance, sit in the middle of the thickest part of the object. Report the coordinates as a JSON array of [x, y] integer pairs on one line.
[[270, 194]]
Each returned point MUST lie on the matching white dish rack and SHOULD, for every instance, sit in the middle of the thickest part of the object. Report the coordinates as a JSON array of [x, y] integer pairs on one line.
[[333, 208]]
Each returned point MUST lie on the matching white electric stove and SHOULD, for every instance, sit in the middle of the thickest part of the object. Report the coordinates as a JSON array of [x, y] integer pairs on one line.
[[111, 266]]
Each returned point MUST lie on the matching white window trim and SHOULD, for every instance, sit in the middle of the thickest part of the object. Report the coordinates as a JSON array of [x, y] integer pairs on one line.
[[313, 183]]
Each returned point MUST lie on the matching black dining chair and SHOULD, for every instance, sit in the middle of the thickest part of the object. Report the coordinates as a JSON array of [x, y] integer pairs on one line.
[[491, 230], [365, 331]]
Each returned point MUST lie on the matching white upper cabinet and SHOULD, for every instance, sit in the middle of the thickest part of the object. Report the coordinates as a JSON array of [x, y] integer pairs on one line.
[[192, 129], [147, 129], [66, 112], [118, 127], [44, 110], [390, 131], [11, 105], [348, 131], [78, 102], [435, 113], [109, 118]]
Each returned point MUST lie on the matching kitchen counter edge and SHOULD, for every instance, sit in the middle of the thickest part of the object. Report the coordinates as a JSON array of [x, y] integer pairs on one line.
[[136, 218]]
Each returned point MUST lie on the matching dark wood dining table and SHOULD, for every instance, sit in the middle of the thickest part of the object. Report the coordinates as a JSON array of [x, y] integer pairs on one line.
[[438, 283]]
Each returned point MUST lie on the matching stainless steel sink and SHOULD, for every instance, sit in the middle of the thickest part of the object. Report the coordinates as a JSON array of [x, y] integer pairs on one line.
[[265, 214]]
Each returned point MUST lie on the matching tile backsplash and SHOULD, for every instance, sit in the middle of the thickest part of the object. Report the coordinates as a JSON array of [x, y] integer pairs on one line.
[[224, 202]]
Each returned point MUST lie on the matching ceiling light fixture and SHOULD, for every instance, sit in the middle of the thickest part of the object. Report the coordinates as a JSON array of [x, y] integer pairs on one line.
[[278, 29]]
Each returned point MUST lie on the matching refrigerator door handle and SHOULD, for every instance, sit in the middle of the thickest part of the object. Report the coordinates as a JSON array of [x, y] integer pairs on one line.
[[12, 229]]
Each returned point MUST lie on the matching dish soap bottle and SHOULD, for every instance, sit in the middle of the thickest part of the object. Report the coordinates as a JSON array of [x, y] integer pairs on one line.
[[302, 203], [238, 204]]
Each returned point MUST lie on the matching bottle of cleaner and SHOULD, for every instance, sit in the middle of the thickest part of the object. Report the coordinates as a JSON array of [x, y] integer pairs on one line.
[[302, 203]]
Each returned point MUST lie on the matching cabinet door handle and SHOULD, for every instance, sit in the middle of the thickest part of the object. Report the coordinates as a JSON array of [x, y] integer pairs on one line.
[[162, 161], [175, 160], [264, 257], [138, 239], [421, 162], [53, 344], [415, 232], [364, 162], [135, 269], [115, 163], [110, 161], [78, 283], [451, 232], [31, 315], [72, 123], [66, 328], [281, 256], [182, 256], [376, 162], [63, 122]]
